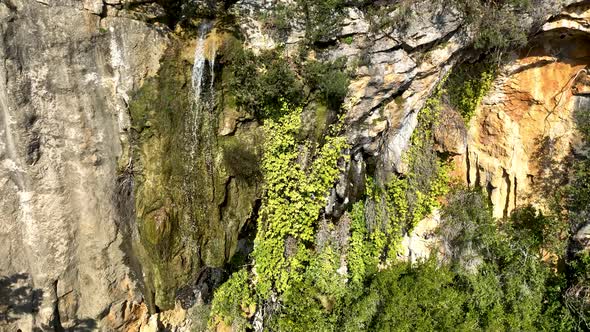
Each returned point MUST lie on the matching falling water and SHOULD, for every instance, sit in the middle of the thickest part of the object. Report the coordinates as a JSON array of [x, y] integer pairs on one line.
[[199, 63], [202, 103], [200, 126], [212, 54]]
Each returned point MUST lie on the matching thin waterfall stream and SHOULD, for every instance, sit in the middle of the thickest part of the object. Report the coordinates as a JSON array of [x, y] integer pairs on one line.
[[200, 124]]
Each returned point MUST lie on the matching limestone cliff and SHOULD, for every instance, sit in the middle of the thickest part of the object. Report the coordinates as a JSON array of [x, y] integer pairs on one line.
[[126, 189], [523, 137], [66, 77]]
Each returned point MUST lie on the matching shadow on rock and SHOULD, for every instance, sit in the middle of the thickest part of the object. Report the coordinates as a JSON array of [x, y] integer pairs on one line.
[[17, 297], [85, 325]]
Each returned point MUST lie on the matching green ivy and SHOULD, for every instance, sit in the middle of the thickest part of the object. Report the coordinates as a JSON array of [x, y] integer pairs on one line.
[[468, 84], [233, 302], [365, 248], [292, 202], [411, 197]]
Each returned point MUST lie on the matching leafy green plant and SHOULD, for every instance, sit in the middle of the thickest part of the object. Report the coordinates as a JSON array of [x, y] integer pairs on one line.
[[328, 79], [413, 196], [365, 247], [261, 83], [292, 202], [389, 17], [278, 19], [496, 24], [322, 18], [468, 84], [234, 302], [544, 231], [348, 40]]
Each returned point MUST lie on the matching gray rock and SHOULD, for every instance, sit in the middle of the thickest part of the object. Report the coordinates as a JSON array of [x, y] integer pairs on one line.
[[66, 76]]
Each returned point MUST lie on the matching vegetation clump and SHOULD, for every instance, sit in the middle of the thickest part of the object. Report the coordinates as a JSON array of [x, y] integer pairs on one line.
[[261, 83], [328, 79], [292, 202], [468, 84], [483, 274], [496, 25], [234, 302]]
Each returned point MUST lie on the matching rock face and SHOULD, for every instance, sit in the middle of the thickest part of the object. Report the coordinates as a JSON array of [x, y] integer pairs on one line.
[[99, 227], [65, 81], [523, 136]]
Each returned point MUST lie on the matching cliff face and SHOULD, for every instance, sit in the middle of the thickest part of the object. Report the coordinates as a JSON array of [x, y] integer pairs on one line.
[[66, 77], [522, 140], [116, 198]]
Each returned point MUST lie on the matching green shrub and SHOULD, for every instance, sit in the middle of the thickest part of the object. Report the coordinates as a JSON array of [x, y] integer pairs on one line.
[[468, 84], [365, 247], [582, 119], [497, 24], [310, 303], [261, 83], [328, 79], [348, 40], [389, 17], [279, 19], [322, 18], [233, 302], [545, 232], [416, 194]]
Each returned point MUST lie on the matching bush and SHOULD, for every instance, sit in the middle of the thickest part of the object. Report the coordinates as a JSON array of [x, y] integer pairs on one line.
[[234, 302], [545, 232], [328, 79], [497, 24], [262, 83], [468, 84], [389, 17], [322, 18]]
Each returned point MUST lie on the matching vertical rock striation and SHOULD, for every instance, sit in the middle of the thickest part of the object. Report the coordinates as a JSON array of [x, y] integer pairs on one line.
[[523, 137]]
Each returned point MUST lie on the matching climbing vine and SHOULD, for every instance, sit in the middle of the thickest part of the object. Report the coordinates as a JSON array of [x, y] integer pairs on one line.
[[292, 203], [411, 197], [467, 86], [365, 247], [234, 302]]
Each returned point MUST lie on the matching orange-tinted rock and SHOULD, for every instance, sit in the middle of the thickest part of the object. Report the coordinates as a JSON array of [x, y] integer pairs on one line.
[[521, 138]]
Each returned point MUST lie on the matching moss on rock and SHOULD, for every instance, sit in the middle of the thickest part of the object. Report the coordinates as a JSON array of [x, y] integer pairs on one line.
[[191, 199]]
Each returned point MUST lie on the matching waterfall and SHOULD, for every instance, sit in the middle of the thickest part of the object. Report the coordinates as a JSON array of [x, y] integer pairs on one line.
[[200, 134], [200, 124], [199, 63], [202, 102]]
